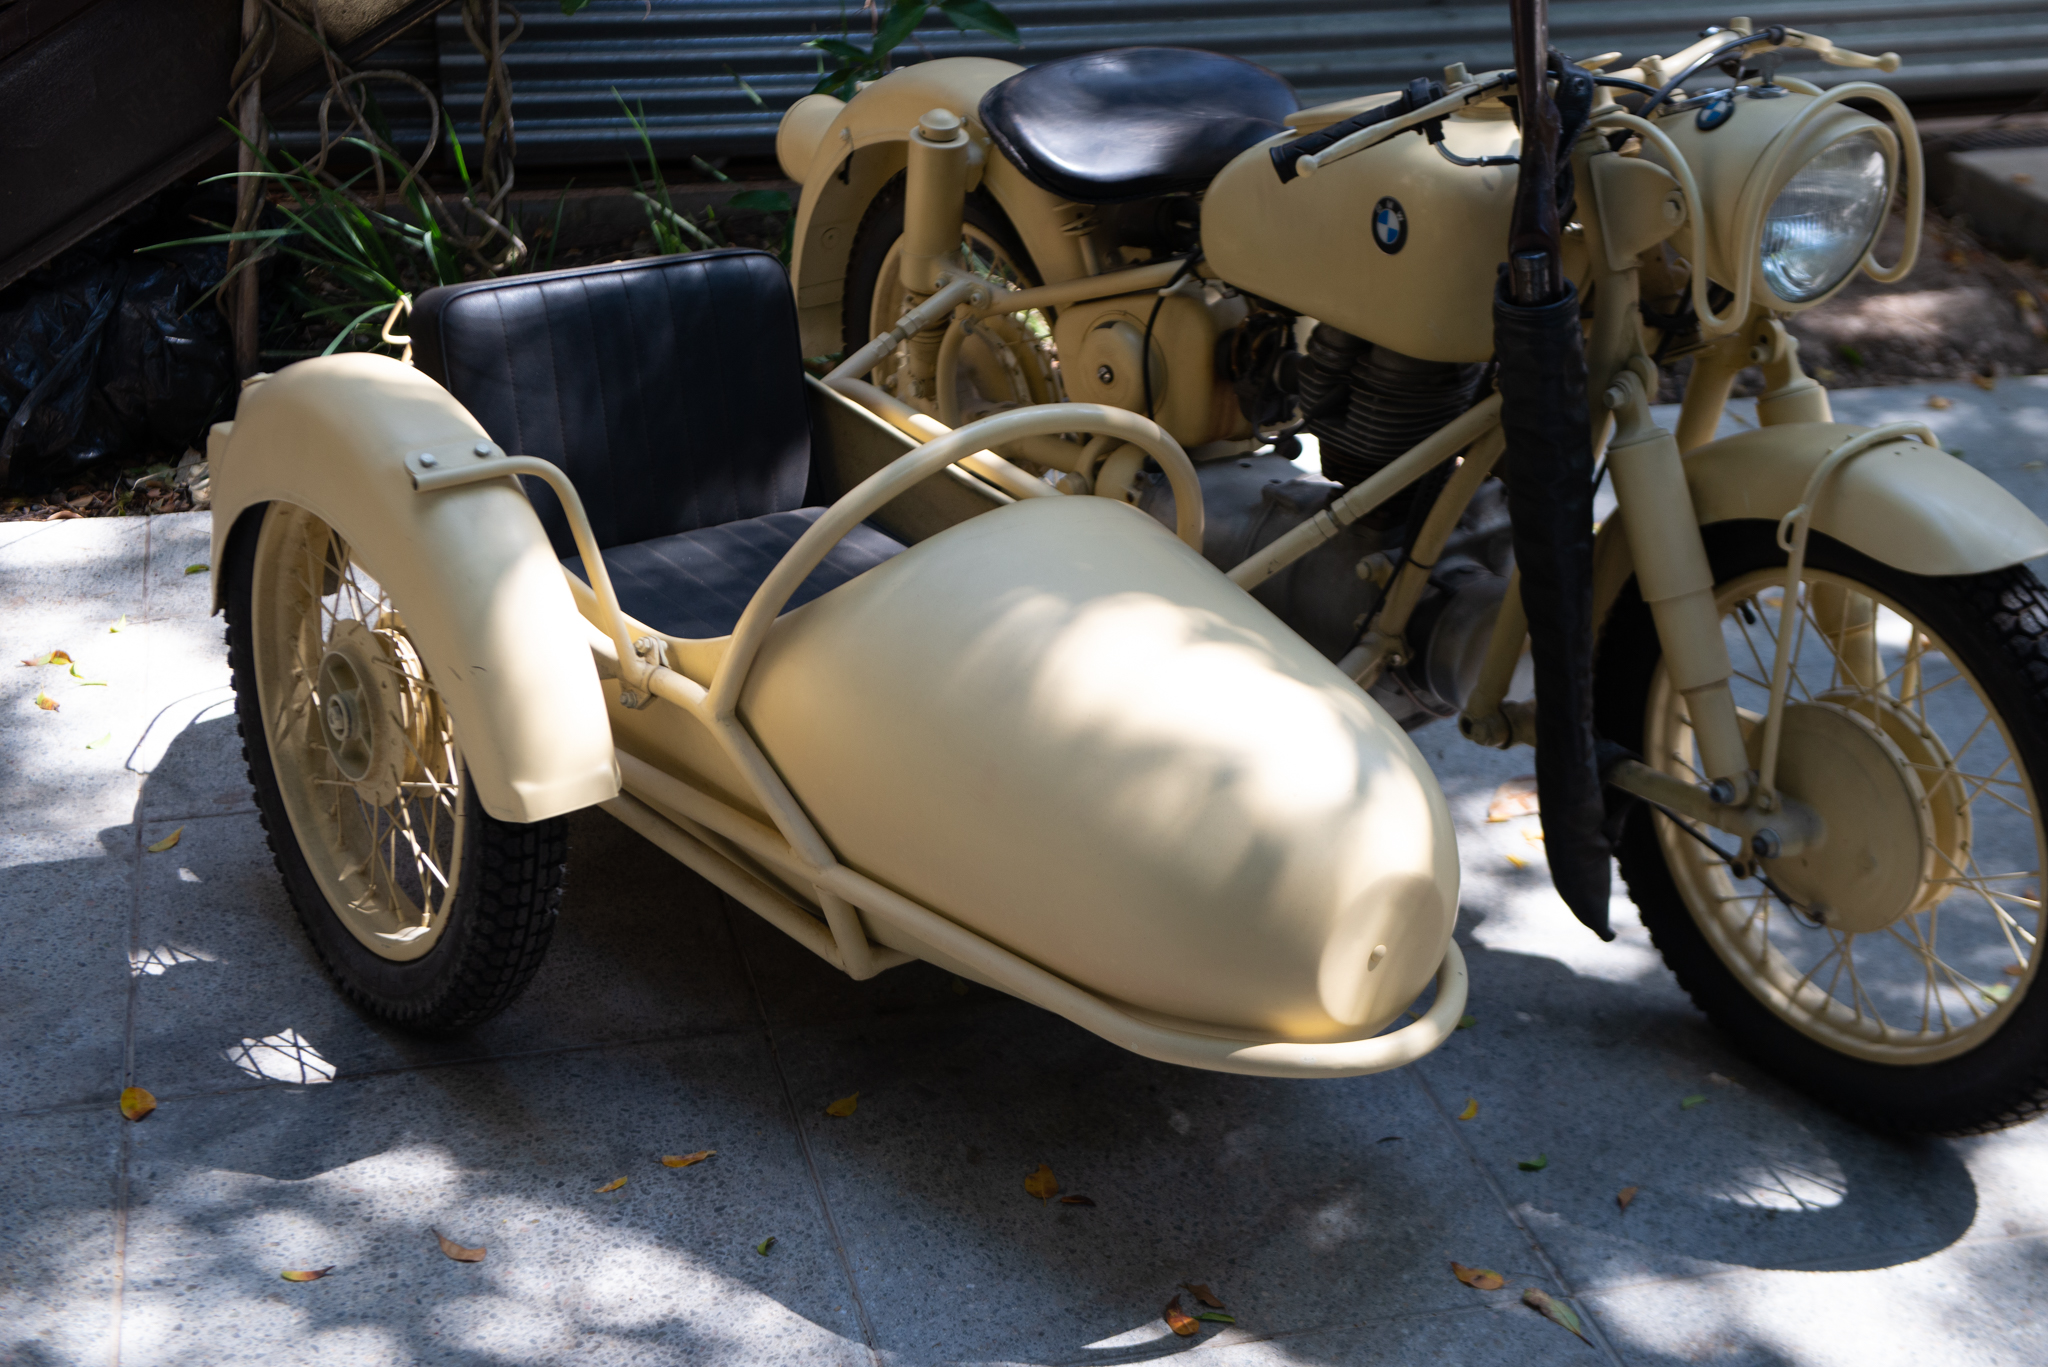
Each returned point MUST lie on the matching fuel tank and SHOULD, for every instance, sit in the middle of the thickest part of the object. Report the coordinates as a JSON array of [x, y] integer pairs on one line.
[[1394, 244], [1058, 726]]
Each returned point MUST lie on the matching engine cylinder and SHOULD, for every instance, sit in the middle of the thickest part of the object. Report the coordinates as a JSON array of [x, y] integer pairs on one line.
[[1368, 404]]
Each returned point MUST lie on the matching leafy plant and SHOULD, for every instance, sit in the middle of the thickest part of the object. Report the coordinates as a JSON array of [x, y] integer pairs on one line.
[[675, 231], [853, 64]]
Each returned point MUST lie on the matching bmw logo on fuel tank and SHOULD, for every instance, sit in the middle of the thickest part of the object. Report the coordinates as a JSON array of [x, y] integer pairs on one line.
[[1389, 225]]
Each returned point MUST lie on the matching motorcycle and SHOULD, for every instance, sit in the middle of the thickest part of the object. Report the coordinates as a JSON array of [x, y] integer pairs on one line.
[[1797, 683]]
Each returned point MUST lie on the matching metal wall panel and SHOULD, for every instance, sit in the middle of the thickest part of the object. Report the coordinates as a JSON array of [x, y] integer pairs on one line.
[[683, 60]]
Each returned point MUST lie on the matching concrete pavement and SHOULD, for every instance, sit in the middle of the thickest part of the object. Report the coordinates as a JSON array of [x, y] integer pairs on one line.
[[294, 1134]]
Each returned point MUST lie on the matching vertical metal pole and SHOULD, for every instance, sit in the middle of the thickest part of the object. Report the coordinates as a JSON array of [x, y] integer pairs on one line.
[[243, 323]]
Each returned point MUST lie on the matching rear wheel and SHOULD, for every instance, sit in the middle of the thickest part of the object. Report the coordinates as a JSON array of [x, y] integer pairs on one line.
[[1892, 970], [1005, 361], [428, 912]]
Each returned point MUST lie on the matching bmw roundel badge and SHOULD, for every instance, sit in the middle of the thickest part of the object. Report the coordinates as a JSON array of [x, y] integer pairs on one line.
[[1389, 225]]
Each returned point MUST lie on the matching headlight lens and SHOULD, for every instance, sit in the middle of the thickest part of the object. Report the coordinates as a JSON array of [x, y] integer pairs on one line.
[[1825, 218]]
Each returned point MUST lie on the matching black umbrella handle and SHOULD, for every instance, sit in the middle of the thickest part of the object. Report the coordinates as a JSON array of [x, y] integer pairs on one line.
[[1535, 267]]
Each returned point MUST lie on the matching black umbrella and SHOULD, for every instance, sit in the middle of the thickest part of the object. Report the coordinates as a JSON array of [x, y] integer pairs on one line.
[[1549, 467]]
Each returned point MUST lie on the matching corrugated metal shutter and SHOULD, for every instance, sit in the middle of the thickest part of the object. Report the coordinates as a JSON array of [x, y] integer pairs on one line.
[[683, 60]]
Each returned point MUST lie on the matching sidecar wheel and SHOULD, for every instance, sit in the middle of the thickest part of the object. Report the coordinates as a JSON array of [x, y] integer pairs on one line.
[[1904, 989], [428, 912]]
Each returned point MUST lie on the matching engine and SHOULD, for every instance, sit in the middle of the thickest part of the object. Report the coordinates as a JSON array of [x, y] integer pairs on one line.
[[1364, 405]]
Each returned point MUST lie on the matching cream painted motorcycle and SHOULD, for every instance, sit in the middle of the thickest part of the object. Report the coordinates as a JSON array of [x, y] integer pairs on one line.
[[1815, 726]]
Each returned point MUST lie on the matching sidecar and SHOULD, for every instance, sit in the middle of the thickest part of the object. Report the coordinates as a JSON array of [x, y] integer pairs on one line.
[[606, 544]]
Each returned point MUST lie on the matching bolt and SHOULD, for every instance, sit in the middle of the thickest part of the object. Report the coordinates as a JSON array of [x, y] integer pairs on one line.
[[1764, 844], [1721, 792], [1104, 375], [482, 448], [427, 459], [628, 698]]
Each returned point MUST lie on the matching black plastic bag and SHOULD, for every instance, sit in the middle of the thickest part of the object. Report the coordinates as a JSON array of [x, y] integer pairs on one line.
[[106, 358]]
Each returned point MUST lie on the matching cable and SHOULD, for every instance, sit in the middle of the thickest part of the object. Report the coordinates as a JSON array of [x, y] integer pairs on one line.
[[1187, 267], [1774, 35]]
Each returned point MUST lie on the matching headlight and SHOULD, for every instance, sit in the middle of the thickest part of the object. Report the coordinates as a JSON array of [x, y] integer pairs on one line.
[[1825, 218]]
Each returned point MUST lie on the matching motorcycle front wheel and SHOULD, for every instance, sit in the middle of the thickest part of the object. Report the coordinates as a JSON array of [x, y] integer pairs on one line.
[[428, 912], [1891, 971]]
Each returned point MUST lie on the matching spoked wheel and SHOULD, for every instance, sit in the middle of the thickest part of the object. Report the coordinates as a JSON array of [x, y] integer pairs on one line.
[[1004, 362], [429, 913], [1892, 970]]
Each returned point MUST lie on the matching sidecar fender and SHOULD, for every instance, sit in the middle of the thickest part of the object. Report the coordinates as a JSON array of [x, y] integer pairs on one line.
[[483, 597], [872, 129], [1904, 504]]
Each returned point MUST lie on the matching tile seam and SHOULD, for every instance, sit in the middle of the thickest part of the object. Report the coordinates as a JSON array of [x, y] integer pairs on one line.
[[1556, 1273], [803, 1143]]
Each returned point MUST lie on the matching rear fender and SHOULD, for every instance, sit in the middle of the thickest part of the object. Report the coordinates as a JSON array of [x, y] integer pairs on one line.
[[483, 597], [1904, 504], [872, 129]]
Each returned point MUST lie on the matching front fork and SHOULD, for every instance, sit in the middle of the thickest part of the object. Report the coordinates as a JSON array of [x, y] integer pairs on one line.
[[1677, 584], [934, 205]]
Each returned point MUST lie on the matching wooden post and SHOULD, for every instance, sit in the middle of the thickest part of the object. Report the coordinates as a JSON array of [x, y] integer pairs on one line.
[[243, 322]]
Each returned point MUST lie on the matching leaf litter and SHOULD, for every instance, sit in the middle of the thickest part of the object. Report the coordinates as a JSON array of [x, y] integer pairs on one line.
[[1624, 1196], [766, 1244], [1554, 1310], [167, 841], [306, 1275], [1201, 1292], [1471, 1111], [48, 657], [1478, 1278], [1536, 1164], [1179, 1320], [612, 1185], [684, 1160], [1516, 797], [1077, 1200], [1694, 1100], [1042, 1183], [844, 1106], [457, 1251], [137, 1102]]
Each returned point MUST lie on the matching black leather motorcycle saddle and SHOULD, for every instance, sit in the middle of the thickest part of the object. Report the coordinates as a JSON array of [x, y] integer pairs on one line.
[[1133, 122]]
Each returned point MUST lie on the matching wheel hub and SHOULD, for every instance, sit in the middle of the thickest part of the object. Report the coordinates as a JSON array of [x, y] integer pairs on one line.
[[1875, 863], [369, 715]]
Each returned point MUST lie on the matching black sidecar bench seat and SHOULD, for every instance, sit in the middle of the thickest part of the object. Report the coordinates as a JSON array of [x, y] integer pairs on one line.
[[1133, 122], [671, 392]]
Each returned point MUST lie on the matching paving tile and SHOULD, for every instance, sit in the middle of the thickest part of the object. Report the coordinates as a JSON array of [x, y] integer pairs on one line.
[[58, 1273], [65, 902], [176, 542], [231, 1190], [1976, 1303], [1298, 1202], [641, 951]]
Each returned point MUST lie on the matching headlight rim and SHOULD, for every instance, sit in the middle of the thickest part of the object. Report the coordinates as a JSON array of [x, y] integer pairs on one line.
[[1787, 169]]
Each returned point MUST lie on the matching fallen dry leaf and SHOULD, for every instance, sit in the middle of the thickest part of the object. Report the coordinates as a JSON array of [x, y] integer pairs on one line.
[[137, 1102], [1466, 1022], [1180, 1321], [51, 657], [844, 1106], [1478, 1278], [310, 1275], [96, 744], [1518, 861], [766, 1244], [1987, 383], [1516, 797], [1077, 1200], [457, 1251], [120, 625], [1554, 1310], [167, 841], [197, 569], [1216, 1317], [1201, 1292], [1939, 401], [684, 1160], [1471, 1111], [46, 702], [1625, 1195], [84, 682], [1536, 1164], [1042, 1183], [1694, 1100], [612, 1185]]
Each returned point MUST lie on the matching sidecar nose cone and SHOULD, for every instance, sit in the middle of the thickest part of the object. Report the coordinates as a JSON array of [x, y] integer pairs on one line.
[[1063, 729]]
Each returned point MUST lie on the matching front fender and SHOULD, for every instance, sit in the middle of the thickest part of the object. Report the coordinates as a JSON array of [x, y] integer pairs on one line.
[[1904, 504], [872, 128], [483, 597]]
